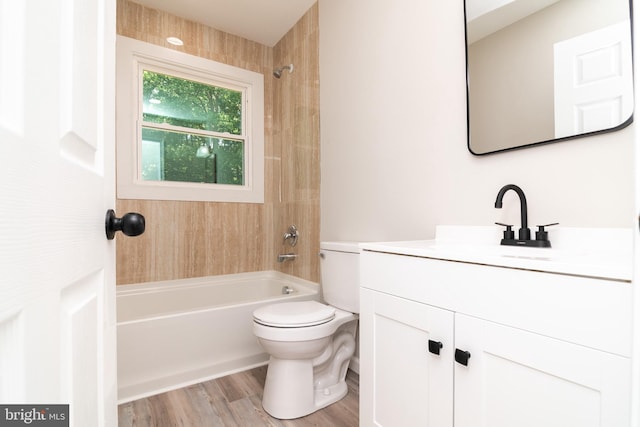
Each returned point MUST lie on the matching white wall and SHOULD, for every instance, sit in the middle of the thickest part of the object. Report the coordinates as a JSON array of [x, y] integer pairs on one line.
[[393, 136]]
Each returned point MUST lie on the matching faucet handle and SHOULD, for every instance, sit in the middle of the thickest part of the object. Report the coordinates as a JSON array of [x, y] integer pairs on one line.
[[541, 234], [291, 236], [508, 234]]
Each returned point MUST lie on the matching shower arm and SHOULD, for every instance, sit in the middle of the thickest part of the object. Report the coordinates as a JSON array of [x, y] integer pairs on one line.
[[277, 73]]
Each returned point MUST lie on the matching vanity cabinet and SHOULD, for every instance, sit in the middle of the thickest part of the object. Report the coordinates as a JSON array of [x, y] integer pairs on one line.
[[544, 349], [518, 378], [402, 383]]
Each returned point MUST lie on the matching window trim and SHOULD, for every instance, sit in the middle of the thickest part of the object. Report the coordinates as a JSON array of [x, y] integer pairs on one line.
[[131, 55]]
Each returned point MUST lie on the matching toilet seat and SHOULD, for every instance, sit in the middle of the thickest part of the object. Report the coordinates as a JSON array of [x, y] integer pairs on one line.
[[297, 314]]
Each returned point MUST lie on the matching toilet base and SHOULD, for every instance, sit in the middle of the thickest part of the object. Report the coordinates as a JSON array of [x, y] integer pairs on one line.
[[329, 395], [286, 392], [298, 387], [289, 393]]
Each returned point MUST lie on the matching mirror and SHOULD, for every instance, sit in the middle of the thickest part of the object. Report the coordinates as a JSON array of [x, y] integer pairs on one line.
[[541, 71]]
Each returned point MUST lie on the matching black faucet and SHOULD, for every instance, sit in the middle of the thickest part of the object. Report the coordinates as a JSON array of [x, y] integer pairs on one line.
[[524, 234]]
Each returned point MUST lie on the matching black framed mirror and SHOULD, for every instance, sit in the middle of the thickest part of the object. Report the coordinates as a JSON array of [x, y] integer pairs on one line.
[[542, 71]]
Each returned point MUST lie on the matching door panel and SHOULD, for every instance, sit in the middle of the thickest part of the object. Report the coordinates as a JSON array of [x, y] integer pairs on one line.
[[57, 290], [515, 377], [593, 81], [11, 356], [404, 384]]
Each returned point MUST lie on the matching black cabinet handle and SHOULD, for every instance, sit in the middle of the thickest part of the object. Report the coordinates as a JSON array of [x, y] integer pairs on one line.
[[131, 224], [462, 357], [434, 347]]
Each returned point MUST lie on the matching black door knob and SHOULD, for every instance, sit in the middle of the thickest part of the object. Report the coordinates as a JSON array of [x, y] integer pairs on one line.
[[131, 224]]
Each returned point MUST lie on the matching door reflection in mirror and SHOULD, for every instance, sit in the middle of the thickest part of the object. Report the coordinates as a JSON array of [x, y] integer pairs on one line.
[[541, 71]]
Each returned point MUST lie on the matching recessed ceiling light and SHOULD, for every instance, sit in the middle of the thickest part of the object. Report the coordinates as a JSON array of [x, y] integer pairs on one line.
[[175, 41]]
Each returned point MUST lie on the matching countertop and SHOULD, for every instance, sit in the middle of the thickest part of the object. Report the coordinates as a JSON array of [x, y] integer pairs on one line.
[[589, 252]]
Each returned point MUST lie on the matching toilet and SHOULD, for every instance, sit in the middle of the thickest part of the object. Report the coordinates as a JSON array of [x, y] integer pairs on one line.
[[310, 344]]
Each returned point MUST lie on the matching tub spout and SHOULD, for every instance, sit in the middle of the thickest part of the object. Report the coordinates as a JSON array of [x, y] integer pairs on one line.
[[287, 257], [287, 290]]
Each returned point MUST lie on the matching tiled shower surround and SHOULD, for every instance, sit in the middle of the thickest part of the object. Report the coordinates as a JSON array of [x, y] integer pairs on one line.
[[191, 239]]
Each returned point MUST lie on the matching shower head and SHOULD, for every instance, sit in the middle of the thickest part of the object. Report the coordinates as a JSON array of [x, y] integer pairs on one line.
[[278, 71]]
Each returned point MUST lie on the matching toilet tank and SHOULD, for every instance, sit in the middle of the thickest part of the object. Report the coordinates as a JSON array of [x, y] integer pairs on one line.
[[340, 275]]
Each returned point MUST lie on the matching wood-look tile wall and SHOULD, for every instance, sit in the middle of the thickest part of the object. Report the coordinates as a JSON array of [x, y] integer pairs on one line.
[[191, 239], [296, 129]]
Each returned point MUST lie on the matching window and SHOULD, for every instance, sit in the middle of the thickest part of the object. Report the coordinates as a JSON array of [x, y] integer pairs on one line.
[[188, 128], [191, 131]]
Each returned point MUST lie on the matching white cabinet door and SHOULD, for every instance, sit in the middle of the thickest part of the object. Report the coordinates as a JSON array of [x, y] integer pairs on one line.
[[402, 383], [517, 378]]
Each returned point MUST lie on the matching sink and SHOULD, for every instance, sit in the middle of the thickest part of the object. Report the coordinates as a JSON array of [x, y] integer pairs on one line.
[[573, 251], [436, 248], [542, 254], [502, 251]]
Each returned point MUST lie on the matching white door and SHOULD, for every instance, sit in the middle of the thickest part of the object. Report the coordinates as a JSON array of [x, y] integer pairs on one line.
[[593, 81], [406, 380], [518, 378], [57, 282], [635, 389]]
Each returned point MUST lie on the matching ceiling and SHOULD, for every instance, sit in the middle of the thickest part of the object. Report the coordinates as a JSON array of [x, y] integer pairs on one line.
[[485, 17], [263, 21]]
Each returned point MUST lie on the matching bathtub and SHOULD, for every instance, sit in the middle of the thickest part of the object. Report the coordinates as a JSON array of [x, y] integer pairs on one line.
[[180, 332]]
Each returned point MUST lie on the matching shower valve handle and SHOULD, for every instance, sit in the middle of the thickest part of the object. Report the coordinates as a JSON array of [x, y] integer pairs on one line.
[[131, 224], [291, 236]]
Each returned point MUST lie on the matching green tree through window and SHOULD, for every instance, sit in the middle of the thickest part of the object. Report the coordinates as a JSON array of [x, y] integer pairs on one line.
[[191, 131]]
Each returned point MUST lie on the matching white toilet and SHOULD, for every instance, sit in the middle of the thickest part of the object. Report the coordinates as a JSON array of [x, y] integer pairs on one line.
[[311, 343]]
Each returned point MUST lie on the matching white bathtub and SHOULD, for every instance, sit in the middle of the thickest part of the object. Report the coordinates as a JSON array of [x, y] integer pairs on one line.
[[180, 332]]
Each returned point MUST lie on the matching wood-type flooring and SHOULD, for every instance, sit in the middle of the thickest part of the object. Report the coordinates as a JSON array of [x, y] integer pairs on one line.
[[231, 401]]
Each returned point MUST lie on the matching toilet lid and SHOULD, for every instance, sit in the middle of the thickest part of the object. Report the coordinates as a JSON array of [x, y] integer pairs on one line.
[[294, 314]]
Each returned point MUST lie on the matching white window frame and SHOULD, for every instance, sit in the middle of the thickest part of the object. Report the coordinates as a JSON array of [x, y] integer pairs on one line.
[[132, 56]]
